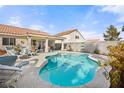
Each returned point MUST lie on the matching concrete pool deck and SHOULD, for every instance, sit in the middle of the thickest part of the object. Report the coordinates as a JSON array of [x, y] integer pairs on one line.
[[30, 76]]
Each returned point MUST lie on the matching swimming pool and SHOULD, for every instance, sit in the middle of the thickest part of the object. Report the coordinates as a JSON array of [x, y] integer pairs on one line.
[[69, 70]]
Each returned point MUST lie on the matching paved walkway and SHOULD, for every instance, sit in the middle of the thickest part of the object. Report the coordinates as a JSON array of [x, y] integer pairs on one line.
[[30, 75], [99, 81], [30, 79]]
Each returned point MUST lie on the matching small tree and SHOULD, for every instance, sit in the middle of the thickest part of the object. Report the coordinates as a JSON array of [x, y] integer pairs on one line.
[[116, 54], [96, 51], [111, 34]]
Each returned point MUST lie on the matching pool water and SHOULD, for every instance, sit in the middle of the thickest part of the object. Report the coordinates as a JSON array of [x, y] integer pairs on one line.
[[69, 70]]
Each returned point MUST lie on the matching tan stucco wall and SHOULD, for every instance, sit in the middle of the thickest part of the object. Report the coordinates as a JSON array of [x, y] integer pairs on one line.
[[89, 47], [58, 41], [18, 41], [101, 46], [71, 38], [81, 39], [76, 44], [76, 47]]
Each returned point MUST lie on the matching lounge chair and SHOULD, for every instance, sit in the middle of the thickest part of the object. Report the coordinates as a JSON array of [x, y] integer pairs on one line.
[[9, 70], [12, 52], [106, 74], [26, 51], [40, 50], [10, 74], [8, 48], [21, 64], [32, 53], [8, 60]]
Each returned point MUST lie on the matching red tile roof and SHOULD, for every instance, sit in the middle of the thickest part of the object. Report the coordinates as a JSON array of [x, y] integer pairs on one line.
[[13, 30], [66, 32]]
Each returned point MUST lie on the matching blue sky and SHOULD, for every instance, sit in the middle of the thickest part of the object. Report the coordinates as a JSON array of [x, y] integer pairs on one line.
[[91, 21]]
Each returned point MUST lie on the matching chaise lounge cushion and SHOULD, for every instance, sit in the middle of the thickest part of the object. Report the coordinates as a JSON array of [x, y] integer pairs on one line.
[[8, 60]]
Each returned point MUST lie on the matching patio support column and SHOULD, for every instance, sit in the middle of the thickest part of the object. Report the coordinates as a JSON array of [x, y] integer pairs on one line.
[[0, 42], [29, 42], [62, 45], [46, 45]]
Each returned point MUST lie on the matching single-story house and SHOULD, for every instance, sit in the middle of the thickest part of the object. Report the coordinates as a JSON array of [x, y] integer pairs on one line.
[[11, 36]]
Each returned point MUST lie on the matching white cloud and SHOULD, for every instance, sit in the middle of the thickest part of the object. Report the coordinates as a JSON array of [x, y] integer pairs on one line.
[[94, 35], [89, 14], [82, 25], [15, 20], [88, 33], [40, 11], [113, 9], [43, 27], [36, 27], [118, 10], [121, 19], [95, 22], [1, 6], [91, 35], [51, 26]]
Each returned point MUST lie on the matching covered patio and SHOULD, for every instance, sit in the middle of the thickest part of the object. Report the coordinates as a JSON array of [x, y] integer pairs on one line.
[[42, 42]]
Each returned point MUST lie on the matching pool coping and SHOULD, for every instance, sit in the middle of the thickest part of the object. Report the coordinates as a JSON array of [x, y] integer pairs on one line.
[[83, 86], [30, 76]]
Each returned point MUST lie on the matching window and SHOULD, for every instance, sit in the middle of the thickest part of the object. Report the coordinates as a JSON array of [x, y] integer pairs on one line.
[[9, 41], [12, 41], [5, 41], [76, 37]]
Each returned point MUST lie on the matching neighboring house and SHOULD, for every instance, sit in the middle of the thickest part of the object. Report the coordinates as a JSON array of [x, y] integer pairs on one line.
[[73, 39], [11, 36]]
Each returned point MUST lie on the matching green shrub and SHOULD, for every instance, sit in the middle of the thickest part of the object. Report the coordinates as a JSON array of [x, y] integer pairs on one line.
[[96, 51], [116, 55]]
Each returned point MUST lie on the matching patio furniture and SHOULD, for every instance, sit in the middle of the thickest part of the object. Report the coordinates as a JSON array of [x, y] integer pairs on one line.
[[21, 54], [29, 52], [21, 64], [10, 74], [39, 50], [32, 52], [10, 51], [8, 48], [106, 74], [24, 50], [8, 60]]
